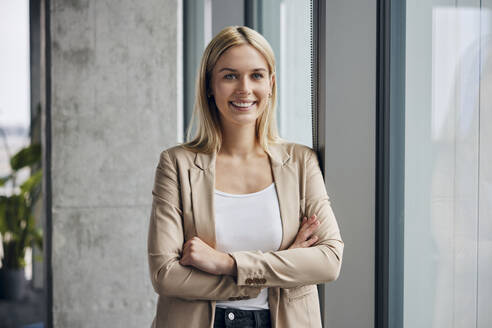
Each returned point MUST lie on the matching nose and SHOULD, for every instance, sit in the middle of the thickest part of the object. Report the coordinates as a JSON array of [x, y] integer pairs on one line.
[[243, 87]]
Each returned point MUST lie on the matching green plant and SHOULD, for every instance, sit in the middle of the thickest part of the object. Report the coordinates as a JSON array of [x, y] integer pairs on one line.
[[17, 224]]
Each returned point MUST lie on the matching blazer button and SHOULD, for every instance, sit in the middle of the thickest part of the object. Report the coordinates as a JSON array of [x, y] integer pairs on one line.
[[249, 281]]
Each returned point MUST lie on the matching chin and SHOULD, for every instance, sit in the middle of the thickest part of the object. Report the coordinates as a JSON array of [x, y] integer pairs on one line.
[[239, 121]]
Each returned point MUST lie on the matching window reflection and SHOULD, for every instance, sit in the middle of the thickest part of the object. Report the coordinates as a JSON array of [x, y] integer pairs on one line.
[[448, 110]]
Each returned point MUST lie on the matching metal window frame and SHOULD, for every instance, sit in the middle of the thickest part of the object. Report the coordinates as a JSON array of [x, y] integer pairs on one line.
[[197, 32], [253, 15], [46, 160], [318, 100], [390, 164], [318, 82]]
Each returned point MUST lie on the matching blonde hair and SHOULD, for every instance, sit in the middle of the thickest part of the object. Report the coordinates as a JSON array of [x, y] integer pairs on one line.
[[208, 137]]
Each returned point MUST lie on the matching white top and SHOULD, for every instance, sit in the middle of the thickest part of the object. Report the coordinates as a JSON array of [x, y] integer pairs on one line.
[[248, 222]]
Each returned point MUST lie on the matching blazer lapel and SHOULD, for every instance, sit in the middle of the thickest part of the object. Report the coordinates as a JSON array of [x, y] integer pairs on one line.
[[286, 178], [202, 182]]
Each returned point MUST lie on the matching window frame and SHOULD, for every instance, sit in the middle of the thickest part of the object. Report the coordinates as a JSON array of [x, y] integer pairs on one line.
[[390, 164]]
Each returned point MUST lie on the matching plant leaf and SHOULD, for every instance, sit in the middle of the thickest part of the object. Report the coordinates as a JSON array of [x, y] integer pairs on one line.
[[4, 179], [31, 182], [26, 157]]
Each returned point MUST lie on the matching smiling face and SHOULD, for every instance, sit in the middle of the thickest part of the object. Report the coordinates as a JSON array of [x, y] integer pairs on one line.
[[241, 85]]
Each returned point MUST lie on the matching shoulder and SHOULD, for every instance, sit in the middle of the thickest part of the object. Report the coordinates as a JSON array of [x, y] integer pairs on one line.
[[295, 151], [177, 156], [179, 152]]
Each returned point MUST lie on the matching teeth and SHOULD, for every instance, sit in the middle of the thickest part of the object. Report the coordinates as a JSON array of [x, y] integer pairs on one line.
[[238, 104]]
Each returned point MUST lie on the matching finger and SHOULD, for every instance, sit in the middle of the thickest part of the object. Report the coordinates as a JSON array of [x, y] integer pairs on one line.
[[307, 221], [315, 225], [305, 234], [303, 227], [309, 242], [184, 260], [310, 221], [184, 255], [310, 230], [310, 227]]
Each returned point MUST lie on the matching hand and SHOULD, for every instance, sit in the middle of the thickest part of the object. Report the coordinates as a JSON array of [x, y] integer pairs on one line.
[[305, 236], [200, 255]]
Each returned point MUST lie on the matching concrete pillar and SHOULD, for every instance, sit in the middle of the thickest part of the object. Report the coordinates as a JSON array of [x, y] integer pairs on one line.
[[115, 104]]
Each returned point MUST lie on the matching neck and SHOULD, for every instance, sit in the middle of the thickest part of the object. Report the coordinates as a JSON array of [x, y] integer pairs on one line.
[[239, 141]]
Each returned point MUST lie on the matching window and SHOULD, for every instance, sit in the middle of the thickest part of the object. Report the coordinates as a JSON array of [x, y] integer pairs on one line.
[[287, 25], [439, 173]]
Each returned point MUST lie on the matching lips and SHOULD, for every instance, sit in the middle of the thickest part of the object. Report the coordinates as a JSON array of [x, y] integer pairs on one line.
[[242, 105]]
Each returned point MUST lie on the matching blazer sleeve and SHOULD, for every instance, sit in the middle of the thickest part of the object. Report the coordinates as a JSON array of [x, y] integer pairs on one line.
[[165, 243], [290, 268]]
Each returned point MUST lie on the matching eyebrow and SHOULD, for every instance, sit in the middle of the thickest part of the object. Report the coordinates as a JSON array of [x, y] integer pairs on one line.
[[234, 70]]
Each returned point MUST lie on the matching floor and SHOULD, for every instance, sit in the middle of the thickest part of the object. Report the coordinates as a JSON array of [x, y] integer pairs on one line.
[[29, 312]]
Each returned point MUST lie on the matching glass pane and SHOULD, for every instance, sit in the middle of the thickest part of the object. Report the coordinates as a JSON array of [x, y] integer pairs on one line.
[[447, 257], [286, 24]]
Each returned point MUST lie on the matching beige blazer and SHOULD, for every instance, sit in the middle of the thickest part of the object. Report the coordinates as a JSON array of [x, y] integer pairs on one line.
[[183, 207]]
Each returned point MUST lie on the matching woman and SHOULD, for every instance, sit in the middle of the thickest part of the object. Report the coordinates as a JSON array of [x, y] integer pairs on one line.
[[229, 243]]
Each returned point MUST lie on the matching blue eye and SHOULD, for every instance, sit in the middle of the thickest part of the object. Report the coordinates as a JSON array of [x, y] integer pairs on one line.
[[257, 76], [229, 76]]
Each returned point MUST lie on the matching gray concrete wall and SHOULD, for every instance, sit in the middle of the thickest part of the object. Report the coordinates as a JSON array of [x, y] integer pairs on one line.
[[116, 99]]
